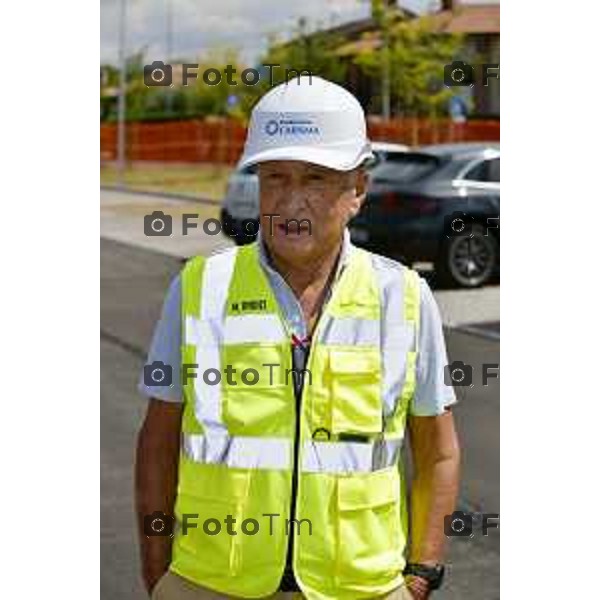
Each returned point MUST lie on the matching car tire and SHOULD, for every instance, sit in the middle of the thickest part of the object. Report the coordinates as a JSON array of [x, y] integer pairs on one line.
[[232, 228], [468, 261]]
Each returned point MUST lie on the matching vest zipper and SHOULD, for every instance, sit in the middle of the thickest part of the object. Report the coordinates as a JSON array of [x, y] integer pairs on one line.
[[298, 414], [315, 335]]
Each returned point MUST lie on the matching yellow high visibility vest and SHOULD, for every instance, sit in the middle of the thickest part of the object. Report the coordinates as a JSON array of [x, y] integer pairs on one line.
[[243, 443]]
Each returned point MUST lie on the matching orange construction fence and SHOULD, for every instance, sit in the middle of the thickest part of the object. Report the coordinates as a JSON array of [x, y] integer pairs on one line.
[[222, 140]]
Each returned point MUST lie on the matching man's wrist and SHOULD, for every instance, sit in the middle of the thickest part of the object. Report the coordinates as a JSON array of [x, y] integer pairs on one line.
[[431, 562], [433, 574]]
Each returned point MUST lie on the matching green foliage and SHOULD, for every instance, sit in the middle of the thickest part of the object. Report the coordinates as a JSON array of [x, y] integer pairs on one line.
[[313, 52], [416, 55], [197, 99]]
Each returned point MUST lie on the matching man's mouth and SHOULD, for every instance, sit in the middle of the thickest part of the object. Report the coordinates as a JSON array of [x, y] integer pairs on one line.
[[294, 227]]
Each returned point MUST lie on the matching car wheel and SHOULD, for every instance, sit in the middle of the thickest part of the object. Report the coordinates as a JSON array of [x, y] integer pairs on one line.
[[468, 261]]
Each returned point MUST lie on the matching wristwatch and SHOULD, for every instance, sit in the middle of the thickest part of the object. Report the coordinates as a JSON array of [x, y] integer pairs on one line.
[[433, 574]]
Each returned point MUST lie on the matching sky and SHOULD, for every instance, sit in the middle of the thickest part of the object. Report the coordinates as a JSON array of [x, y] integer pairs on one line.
[[202, 25]]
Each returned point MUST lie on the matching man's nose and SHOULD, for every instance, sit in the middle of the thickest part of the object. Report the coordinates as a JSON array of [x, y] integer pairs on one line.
[[296, 197]]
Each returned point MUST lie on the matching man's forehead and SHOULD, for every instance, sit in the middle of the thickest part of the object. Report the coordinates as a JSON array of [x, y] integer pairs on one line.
[[295, 166]]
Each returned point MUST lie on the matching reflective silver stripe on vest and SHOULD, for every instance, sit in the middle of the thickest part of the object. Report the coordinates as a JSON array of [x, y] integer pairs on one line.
[[253, 328], [351, 332], [350, 457], [215, 284], [206, 334], [397, 338], [238, 451]]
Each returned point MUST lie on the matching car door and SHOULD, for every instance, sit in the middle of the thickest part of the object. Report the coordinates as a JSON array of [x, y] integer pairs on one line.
[[242, 195], [479, 182]]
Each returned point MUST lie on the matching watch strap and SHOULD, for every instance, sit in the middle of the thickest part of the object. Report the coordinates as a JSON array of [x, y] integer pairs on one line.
[[433, 574]]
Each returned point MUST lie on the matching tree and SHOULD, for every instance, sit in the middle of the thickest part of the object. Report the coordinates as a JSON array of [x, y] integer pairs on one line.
[[202, 98], [313, 52], [417, 54]]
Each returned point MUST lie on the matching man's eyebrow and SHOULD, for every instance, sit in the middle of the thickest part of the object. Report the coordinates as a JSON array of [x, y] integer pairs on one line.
[[318, 170]]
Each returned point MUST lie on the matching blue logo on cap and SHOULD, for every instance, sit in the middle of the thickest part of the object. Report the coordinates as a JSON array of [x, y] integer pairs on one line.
[[296, 127], [272, 127]]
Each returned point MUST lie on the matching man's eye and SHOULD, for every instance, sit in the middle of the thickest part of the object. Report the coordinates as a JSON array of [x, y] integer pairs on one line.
[[271, 179]]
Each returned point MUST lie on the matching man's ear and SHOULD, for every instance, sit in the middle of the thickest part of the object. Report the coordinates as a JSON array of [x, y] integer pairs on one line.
[[360, 189]]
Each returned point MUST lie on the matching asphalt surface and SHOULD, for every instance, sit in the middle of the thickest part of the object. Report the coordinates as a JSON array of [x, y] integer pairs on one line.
[[124, 216], [134, 281]]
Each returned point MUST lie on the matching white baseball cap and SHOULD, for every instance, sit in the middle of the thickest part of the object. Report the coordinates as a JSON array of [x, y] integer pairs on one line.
[[309, 119]]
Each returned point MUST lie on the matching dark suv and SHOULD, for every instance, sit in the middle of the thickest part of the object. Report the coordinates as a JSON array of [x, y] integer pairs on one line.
[[438, 204]]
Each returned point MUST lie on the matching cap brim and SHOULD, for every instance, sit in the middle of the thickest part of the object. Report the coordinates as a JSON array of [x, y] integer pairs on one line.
[[332, 159]]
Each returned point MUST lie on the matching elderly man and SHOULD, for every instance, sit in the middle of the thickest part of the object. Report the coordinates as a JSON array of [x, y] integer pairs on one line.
[[282, 486]]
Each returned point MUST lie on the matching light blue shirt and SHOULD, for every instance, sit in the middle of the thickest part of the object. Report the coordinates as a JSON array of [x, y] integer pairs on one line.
[[431, 393]]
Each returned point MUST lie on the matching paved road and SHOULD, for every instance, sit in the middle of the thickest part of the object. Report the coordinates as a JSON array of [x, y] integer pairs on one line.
[[122, 220], [134, 280]]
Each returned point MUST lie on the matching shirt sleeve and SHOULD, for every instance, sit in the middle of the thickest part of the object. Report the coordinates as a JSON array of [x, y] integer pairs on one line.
[[164, 356], [432, 395]]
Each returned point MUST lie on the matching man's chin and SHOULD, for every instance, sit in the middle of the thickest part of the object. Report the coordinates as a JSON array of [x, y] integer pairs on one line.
[[294, 247]]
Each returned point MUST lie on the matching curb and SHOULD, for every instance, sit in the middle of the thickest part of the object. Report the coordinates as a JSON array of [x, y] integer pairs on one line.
[[170, 195], [472, 330]]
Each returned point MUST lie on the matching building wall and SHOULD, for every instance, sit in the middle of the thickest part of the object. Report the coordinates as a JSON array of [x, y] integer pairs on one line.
[[486, 99]]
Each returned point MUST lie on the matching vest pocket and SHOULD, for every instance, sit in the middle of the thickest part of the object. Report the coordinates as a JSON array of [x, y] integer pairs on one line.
[[207, 495], [259, 403], [203, 535], [256, 366], [369, 533], [355, 387]]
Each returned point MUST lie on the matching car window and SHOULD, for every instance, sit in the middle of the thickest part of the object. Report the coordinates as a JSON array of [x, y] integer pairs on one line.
[[494, 169], [485, 170], [405, 167]]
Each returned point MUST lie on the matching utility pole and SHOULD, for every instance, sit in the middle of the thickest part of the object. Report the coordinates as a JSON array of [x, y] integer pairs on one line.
[[380, 14], [385, 83], [169, 30], [169, 56], [122, 94]]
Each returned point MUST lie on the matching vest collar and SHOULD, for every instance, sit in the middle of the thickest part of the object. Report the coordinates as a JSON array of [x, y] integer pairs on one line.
[[267, 264]]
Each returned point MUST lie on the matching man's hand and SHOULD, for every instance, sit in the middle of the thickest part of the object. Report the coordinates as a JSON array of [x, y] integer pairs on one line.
[[151, 574], [418, 587]]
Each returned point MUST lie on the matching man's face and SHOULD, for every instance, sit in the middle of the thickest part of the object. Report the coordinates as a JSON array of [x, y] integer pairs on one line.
[[315, 202]]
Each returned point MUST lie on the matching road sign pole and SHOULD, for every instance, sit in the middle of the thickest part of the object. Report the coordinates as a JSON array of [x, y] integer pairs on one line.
[[122, 94]]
